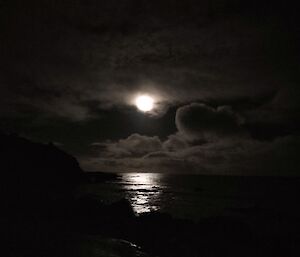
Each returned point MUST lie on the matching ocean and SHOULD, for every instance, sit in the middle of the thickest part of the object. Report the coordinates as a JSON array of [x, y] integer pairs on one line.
[[267, 206], [259, 201]]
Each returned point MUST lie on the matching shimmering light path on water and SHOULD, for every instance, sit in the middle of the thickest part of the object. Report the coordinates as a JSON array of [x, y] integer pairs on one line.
[[143, 190]]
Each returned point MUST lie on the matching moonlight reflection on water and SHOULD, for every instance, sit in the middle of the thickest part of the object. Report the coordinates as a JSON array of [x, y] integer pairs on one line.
[[143, 191]]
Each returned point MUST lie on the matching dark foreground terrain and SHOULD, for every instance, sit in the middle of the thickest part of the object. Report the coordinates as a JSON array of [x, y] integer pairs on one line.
[[40, 216]]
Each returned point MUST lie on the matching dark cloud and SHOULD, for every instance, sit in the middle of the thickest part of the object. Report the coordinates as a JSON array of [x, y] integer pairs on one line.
[[56, 56], [282, 108], [199, 121]]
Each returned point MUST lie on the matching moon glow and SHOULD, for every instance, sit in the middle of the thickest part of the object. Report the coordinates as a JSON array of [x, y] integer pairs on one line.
[[144, 103]]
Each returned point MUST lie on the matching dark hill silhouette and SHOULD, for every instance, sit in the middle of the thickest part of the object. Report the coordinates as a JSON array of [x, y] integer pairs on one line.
[[32, 172], [37, 183], [39, 159]]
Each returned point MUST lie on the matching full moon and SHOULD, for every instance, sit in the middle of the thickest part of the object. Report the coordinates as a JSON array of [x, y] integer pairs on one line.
[[144, 103]]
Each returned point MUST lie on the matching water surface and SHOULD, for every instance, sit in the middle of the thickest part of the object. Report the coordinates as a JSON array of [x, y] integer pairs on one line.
[[196, 196]]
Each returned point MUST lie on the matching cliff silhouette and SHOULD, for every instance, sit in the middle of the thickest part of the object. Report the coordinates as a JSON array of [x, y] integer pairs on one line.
[[33, 172]]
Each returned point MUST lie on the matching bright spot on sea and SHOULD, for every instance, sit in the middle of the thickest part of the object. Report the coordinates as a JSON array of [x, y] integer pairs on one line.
[[143, 190]]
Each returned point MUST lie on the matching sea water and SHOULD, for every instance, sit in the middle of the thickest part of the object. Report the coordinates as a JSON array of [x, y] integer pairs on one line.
[[197, 196]]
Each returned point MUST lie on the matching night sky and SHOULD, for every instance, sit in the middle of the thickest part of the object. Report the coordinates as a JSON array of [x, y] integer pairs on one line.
[[224, 77]]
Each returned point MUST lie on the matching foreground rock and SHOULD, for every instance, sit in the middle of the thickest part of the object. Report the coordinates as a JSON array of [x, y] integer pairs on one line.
[[160, 234], [94, 246]]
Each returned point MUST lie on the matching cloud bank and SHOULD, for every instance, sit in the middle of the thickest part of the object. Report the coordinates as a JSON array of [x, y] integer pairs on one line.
[[215, 144]]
